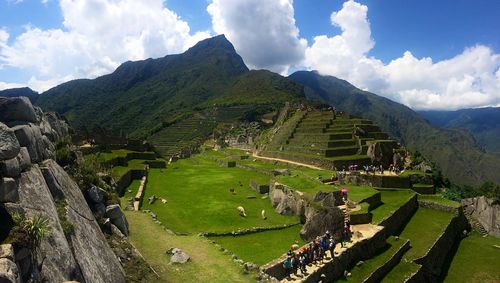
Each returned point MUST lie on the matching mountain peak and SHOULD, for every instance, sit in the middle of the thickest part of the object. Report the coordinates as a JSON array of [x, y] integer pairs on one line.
[[216, 42]]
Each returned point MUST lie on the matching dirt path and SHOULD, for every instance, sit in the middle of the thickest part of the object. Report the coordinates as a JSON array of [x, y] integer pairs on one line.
[[287, 161]]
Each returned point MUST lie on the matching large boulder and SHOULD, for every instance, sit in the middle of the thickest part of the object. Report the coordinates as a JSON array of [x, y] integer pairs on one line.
[[7, 251], [486, 211], [8, 271], [16, 109], [39, 147], [8, 190], [177, 255], [115, 213], [9, 146], [95, 258], [330, 219], [96, 194], [10, 168]]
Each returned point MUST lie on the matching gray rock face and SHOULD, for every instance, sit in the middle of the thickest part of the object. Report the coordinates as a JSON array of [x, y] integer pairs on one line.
[[381, 152], [24, 159], [115, 213], [9, 146], [16, 109], [59, 264], [30, 136], [8, 271], [177, 255], [330, 219], [96, 194], [10, 167], [8, 190], [95, 258], [283, 172], [486, 211]]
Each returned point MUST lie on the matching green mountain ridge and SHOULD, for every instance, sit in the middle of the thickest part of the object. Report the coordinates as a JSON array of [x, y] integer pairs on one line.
[[146, 92], [455, 151], [482, 123]]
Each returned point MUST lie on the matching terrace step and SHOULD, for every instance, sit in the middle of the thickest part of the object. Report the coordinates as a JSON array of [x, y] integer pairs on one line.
[[475, 224]]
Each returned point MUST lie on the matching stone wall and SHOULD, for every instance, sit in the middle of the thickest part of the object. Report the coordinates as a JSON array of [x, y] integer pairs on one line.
[[486, 211], [398, 218], [260, 188], [362, 250], [433, 260], [127, 178], [436, 206], [382, 271]]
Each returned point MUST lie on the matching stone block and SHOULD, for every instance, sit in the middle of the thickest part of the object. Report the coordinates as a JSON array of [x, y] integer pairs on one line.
[[10, 168], [8, 190], [9, 145]]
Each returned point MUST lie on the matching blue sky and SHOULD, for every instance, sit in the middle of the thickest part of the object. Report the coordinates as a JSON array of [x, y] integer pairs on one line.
[[384, 42]]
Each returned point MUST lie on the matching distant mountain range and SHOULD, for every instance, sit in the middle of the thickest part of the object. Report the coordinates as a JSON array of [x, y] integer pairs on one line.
[[23, 91], [178, 99], [482, 123]]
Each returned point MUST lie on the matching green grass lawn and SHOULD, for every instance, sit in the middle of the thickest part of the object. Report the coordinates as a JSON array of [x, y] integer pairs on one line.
[[423, 229], [118, 171], [263, 247], [440, 200], [476, 260], [362, 272], [400, 272], [207, 264], [106, 156], [391, 200], [199, 200]]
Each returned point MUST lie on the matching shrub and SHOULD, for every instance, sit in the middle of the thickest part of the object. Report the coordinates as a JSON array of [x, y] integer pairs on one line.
[[67, 226], [29, 232], [86, 172]]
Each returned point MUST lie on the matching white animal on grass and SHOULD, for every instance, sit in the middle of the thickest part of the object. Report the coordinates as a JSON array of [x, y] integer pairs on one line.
[[294, 247], [241, 210], [163, 200], [263, 213]]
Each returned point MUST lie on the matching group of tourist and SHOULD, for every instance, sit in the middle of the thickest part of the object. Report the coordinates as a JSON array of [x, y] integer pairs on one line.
[[372, 169], [313, 253], [394, 169]]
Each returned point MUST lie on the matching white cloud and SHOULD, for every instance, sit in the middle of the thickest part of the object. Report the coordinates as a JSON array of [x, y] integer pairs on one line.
[[4, 85], [98, 35], [470, 79], [263, 32]]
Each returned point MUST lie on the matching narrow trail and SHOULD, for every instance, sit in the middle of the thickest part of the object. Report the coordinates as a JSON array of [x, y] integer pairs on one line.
[[287, 161]]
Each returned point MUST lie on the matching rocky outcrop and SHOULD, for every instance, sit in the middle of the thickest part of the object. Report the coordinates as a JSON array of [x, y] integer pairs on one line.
[[96, 260], [55, 262], [16, 109], [381, 152], [486, 211], [79, 252], [317, 219]]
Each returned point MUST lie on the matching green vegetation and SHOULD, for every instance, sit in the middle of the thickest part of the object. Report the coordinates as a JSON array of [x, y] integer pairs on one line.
[[29, 232], [440, 200], [86, 172], [263, 247], [360, 273], [191, 183], [207, 264], [62, 211], [401, 272], [391, 200], [423, 230], [476, 260]]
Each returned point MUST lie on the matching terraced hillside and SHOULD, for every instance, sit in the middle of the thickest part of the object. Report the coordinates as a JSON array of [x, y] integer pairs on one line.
[[185, 134], [190, 132], [326, 139]]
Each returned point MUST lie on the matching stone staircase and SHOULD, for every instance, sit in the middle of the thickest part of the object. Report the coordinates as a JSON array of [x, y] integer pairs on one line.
[[475, 224]]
